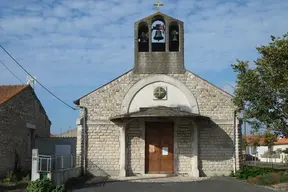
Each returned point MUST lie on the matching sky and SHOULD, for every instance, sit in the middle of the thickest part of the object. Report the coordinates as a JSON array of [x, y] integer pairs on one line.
[[74, 46]]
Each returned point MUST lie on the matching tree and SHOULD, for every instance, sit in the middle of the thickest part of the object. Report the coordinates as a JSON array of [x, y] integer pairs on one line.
[[261, 89], [244, 144], [269, 139], [255, 142]]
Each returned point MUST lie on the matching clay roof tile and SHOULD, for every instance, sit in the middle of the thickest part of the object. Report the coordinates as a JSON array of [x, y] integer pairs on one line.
[[8, 91]]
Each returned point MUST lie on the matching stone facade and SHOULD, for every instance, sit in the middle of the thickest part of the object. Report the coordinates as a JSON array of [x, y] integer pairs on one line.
[[17, 116], [215, 155]]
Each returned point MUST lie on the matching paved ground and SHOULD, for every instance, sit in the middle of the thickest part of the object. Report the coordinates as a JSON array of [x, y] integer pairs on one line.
[[216, 184]]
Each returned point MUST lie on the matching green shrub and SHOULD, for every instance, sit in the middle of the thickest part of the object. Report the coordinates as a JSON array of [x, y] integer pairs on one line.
[[44, 185], [283, 178], [59, 188], [246, 172], [26, 178], [10, 177]]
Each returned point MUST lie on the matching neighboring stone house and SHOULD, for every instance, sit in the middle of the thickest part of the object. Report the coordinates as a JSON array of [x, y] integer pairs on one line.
[[159, 117], [22, 118]]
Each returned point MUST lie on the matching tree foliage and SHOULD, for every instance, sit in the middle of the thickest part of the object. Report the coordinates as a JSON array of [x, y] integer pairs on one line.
[[261, 89], [269, 138], [255, 141]]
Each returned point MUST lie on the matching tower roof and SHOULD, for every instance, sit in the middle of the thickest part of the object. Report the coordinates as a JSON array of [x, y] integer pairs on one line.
[[158, 13]]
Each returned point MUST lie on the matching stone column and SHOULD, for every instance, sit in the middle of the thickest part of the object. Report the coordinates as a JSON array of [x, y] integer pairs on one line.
[[123, 151], [195, 170], [175, 147], [142, 162]]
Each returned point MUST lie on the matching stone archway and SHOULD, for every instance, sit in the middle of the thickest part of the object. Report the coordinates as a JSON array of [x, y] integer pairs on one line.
[[158, 78]]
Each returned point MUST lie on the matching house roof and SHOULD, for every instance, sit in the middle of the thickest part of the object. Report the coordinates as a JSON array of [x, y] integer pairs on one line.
[[250, 138], [69, 133], [8, 91], [281, 141]]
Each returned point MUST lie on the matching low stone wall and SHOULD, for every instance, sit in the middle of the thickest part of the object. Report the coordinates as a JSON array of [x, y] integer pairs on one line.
[[62, 176]]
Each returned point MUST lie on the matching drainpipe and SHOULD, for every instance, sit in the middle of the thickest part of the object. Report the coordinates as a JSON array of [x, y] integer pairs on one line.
[[234, 141], [84, 137]]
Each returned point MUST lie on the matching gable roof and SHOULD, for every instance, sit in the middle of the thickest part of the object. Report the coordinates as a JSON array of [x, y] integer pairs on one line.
[[9, 91], [158, 13], [281, 141], [77, 102]]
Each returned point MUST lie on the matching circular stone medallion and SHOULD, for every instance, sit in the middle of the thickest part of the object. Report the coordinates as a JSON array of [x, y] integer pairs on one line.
[[159, 92]]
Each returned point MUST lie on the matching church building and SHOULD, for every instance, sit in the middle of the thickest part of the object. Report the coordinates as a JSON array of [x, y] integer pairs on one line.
[[158, 118]]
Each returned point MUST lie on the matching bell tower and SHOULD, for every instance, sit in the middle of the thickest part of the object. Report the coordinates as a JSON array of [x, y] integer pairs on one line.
[[159, 44]]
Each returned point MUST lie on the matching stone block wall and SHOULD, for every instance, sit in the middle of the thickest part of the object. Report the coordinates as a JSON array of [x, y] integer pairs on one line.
[[103, 149], [135, 145], [183, 143], [15, 113], [105, 102], [215, 149]]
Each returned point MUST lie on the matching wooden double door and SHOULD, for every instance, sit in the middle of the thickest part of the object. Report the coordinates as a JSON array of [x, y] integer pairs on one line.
[[159, 148]]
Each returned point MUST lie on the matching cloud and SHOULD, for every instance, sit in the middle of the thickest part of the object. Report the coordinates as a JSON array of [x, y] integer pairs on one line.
[[87, 43]]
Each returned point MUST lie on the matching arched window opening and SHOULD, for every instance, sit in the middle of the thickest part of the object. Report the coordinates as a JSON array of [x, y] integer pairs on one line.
[[143, 37], [173, 37], [158, 34]]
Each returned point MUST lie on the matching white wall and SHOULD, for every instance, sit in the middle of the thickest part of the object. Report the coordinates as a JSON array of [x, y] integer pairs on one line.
[[261, 150], [275, 147], [145, 98]]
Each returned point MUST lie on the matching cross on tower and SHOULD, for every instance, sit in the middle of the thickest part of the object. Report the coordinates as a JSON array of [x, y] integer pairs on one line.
[[158, 4]]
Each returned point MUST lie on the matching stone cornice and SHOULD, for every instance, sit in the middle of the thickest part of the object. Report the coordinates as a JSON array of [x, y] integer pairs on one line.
[[216, 121]]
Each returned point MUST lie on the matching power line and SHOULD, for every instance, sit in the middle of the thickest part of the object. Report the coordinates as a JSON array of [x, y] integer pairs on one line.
[[11, 71], [35, 79]]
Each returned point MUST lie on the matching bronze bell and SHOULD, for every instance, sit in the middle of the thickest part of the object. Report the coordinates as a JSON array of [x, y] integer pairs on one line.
[[174, 34], [143, 38], [158, 35]]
